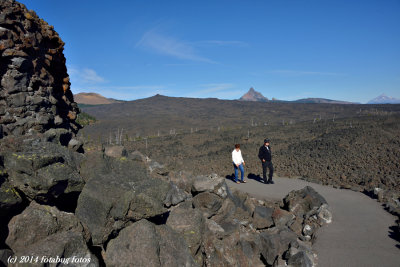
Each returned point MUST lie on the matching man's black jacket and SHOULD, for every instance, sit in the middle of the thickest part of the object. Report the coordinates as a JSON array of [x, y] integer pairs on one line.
[[264, 153]]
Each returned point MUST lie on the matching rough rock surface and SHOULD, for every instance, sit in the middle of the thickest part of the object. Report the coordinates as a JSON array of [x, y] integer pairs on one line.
[[275, 243], [45, 231], [42, 171], [4, 255], [190, 223], [34, 89], [9, 199], [145, 244], [175, 196], [262, 217], [310, 210], [121, 191], [301, 201], [208, 203]]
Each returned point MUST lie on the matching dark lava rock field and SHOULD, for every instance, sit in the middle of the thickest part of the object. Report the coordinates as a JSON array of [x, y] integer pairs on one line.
[[359, 152]]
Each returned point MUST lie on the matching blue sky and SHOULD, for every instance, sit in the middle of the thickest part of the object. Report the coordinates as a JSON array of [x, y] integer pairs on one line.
[[337, 49]]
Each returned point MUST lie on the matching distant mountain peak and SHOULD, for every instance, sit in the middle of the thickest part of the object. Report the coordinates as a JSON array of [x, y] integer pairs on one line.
[[253, 95], [94, 99], [384, 99]]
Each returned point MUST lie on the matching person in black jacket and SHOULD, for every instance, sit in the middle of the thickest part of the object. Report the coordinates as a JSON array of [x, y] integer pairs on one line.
[[264, 155]]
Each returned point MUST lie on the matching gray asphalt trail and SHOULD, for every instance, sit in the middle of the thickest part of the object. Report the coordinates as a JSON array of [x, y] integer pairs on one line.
[[359, 232]]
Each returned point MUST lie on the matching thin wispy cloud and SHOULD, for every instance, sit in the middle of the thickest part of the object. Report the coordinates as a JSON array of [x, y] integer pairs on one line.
[[217, 90], [87, 80], [90, 76], [169, 46], [302, 73], [84, 76]]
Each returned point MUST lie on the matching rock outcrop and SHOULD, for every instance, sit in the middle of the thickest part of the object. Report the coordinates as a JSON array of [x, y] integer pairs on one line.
[[35, 93]]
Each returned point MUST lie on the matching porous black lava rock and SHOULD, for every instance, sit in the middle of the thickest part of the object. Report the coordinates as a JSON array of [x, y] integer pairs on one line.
[[310, 209], [302, 201], [4, 256], [190, 223], [120, 191], [45, 231], [146, 244], [35, 90], [263, 217], [40, 170], [275, 243]]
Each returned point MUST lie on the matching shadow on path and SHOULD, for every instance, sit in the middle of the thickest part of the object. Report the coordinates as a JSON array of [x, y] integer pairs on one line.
[[395, 234], [255, 177], [230, 177], [251, 176]]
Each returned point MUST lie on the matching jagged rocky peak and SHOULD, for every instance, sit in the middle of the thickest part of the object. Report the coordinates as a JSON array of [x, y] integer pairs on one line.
[[253, 95], [35, 93]]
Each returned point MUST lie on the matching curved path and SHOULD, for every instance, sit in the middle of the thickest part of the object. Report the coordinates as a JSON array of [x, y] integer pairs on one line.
[[359, 232]]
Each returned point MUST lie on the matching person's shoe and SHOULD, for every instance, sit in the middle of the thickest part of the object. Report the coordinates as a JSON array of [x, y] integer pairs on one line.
[[244, 181], [270, 182], [237, 182]]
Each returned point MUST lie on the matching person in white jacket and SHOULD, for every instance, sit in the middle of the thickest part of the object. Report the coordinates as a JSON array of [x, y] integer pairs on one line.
[[238, 163]]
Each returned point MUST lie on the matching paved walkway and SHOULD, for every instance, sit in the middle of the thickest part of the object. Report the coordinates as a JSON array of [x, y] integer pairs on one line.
[[359, 232]]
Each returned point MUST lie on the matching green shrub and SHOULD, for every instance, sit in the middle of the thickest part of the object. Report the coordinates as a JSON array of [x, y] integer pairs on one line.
[[85, 119]]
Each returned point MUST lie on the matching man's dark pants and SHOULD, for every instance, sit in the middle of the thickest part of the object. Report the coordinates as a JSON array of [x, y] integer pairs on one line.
[[265, 165]]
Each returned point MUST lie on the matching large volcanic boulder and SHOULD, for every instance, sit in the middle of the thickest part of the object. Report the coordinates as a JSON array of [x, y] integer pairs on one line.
[[190, 223], [34, 89], [42, 171], [310, 209], [117, 192], [145, 244], [44, 231]]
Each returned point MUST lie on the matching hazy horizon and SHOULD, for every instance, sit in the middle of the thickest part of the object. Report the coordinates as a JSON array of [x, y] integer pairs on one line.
[[87, 92], [289, 50]]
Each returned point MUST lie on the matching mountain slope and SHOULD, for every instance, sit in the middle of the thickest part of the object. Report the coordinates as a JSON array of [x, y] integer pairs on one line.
[[321, 101], [384, 99], [94, 99]]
